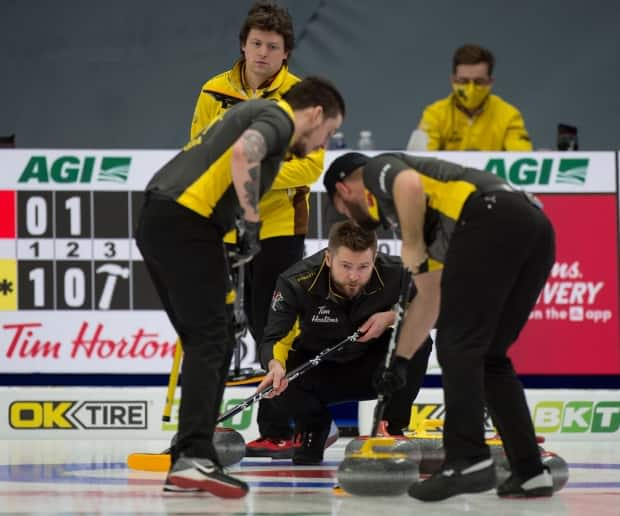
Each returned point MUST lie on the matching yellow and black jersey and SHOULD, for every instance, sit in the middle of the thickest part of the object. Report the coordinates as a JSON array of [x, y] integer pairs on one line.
[[306, 314], [200, 176], [447, 187], [498, 126], [284, 209]]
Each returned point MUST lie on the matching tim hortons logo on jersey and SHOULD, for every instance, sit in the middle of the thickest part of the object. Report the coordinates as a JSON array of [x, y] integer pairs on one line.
[[323, 315]]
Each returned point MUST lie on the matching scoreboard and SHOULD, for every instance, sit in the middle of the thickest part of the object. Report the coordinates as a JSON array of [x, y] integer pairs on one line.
[[69, 239], [74, 250], [75, 295]]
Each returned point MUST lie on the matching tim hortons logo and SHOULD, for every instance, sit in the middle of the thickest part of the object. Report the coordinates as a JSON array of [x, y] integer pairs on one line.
[[323, 315], [27, 340]]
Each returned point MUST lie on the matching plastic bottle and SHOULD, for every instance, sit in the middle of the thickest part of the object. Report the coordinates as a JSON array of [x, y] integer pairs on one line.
[[337, 141], [365, 141]]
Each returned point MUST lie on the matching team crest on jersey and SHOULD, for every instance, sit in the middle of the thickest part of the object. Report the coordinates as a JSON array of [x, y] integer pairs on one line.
[[276, 301]]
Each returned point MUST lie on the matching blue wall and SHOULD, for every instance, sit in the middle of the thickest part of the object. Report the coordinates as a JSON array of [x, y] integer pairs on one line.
[[125, 74]]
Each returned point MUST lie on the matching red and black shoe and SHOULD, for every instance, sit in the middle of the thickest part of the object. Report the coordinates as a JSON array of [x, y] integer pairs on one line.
[[269, 447], [189, 473]]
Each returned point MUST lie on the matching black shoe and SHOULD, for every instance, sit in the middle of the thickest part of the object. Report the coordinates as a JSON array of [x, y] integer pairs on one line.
[[536, 486], [450, 481], [309, 446], [205, 475]]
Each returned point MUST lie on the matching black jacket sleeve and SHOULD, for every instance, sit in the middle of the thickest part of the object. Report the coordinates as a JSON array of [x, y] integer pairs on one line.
[[282, 323]]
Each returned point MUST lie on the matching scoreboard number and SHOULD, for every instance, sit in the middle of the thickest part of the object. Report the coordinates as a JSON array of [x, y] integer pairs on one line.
[[75, 251], [36, 216]]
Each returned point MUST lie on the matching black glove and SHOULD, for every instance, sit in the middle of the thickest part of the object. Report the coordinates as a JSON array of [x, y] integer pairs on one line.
[[248, 244], [388, 381]]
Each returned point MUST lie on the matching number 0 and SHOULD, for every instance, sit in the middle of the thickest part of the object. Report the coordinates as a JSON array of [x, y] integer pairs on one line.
[[36, 215], [75, 291]]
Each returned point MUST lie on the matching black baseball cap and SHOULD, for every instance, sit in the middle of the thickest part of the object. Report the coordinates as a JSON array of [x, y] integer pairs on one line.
[[340, 168]]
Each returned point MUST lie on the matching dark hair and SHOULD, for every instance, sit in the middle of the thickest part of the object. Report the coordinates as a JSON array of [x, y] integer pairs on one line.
[[315, 91], [348, 234], [269, 17], [473, 54]]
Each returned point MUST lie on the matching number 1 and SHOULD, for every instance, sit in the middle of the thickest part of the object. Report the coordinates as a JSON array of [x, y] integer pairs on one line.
[[38, 279]]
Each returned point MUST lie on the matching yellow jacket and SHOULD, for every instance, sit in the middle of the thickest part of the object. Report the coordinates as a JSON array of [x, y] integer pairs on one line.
[[498, 126], [284, 209]]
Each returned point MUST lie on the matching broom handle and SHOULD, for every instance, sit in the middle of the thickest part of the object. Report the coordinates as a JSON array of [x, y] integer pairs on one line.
[[399, 307], [298, 371]]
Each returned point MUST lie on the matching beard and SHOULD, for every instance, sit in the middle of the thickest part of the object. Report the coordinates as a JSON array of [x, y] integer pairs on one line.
[[362, 217], [348, 290]]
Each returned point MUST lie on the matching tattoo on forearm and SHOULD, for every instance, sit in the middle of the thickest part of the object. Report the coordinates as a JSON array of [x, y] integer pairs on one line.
[[252, 188], [254, 146]]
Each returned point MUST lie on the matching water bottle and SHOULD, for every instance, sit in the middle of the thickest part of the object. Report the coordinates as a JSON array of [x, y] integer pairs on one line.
[[365, 141], [337, 141]]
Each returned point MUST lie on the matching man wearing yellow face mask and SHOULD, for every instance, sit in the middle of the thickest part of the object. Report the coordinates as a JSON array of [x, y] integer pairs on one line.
[[471, 118]]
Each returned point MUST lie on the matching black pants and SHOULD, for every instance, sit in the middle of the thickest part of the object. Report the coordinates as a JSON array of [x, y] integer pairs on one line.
[[185, 257], [499, 257], [276, 255], [307, 398]]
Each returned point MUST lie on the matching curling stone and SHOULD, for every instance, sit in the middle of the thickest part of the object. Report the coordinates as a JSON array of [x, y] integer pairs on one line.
[[229, 445], [398, 444], [430, 445], [556, 464], [371, 473]]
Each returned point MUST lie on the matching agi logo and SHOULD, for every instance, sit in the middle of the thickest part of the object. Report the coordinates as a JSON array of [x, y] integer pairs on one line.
[[73, 169], [532, 171], [572, 171], [74, 415]]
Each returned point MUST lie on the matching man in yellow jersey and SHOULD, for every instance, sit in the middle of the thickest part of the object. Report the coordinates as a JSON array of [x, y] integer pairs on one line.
[[481, 253], [317, 303], [471, 118], [267, 40], [213, 184]]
